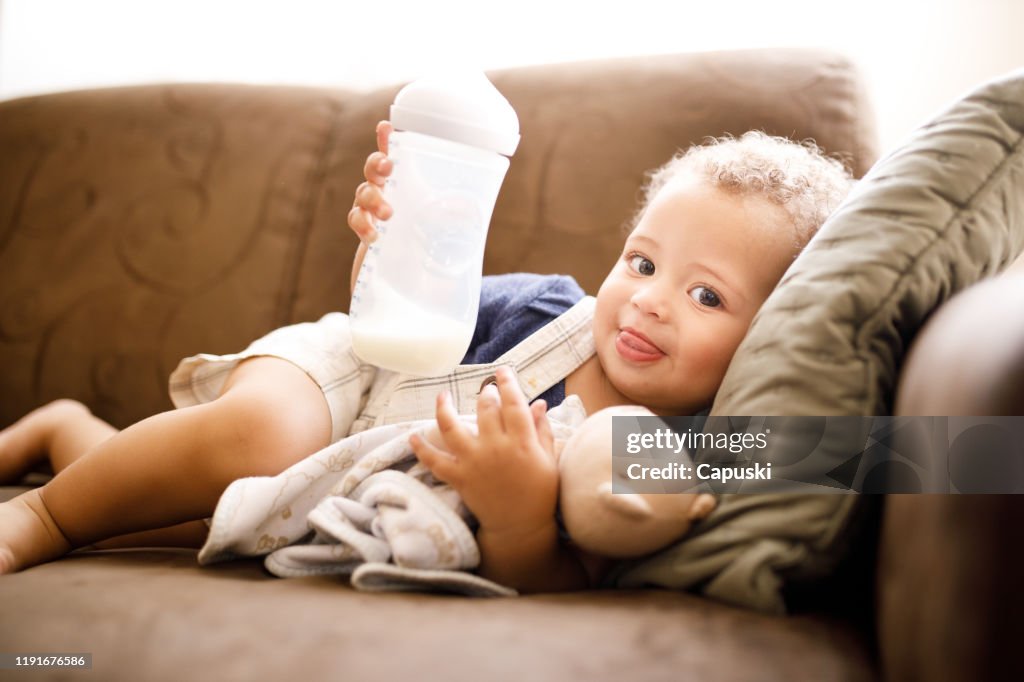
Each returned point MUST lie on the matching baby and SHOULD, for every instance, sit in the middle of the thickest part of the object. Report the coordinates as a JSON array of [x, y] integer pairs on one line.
[[719, 226]]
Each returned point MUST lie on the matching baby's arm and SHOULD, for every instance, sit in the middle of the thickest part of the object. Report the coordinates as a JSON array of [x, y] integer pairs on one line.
[[369, 201], [508, 477], [534, 562]]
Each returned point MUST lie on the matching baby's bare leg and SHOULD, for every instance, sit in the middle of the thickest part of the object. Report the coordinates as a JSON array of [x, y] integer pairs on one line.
[[170, 468], [63, 431]]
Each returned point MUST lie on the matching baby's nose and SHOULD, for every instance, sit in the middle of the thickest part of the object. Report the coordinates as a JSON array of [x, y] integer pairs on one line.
[[650, 300]]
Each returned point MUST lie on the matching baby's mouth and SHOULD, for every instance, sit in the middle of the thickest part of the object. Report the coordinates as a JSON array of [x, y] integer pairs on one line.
[[632, 345]]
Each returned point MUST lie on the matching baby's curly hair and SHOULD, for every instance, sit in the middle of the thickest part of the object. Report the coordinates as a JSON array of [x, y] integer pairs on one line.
[[795, 175]]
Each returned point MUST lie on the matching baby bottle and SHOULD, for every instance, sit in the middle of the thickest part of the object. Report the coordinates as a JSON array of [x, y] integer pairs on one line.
[[415, 301]]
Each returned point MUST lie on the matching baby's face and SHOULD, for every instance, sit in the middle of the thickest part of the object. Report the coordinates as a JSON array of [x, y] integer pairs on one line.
[[679, 300]]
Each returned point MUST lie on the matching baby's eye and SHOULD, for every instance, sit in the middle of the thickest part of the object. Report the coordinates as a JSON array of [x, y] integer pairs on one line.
[[641, 265], [705, 297]]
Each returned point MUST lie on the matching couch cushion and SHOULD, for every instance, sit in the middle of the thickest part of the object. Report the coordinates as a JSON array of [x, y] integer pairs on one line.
[[943, 211], [157, 615], [144, 224]]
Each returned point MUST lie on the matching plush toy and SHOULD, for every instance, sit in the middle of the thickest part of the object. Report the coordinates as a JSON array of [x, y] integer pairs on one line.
[[618, 525]]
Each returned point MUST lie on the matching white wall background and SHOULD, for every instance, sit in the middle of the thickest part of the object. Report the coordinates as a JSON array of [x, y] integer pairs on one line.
[[917, 54]]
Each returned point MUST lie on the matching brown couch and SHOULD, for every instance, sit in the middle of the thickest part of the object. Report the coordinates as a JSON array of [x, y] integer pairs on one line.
[[141, 225]]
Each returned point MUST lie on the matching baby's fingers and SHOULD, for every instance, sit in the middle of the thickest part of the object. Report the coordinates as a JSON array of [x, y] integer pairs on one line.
[[514, 410], [370, 198], [384, 129], [459, 439], [539, 410], [443, 465], [488, 413], [361, 223], [377, 168]]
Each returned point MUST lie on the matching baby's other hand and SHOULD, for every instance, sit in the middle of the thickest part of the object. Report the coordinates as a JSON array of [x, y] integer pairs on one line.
[[505, 472], [369, 201]]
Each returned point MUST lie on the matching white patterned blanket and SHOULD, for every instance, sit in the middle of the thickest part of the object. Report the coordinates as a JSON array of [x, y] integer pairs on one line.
[[365, 508]]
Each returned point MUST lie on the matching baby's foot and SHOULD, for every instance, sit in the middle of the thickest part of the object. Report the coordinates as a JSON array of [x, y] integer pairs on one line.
[[27, 441], [28, 535]]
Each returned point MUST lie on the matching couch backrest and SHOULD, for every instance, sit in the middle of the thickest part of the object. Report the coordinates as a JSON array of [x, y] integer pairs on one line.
[[141, 225]]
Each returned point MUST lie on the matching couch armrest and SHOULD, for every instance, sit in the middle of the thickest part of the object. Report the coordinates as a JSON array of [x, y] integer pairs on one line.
[[949, 598], [969, 358]]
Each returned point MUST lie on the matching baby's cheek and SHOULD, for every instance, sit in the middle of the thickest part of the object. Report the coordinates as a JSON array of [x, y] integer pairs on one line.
[[711, 356], [712, 350]]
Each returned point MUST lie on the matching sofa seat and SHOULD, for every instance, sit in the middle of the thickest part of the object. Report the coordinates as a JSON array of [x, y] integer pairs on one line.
[[138, 613]]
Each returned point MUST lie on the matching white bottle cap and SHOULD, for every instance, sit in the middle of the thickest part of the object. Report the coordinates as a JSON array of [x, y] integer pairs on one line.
[[461, 107]]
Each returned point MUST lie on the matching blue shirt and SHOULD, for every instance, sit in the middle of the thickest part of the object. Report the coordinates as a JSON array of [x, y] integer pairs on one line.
[[514, 306]]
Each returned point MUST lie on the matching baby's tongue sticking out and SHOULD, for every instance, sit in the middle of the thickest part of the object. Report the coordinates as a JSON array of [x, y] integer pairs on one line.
[[634, 347]]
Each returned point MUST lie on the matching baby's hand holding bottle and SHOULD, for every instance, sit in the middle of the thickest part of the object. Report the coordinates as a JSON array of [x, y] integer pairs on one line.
[[369, 204]]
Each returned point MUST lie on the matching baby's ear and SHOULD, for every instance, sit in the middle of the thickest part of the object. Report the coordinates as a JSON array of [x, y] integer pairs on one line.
[[629, 505], [702, 506]]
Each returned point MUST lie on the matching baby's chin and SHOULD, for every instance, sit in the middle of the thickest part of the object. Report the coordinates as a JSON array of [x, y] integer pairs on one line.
[[665, 401], [672, 411], [659, 400]]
